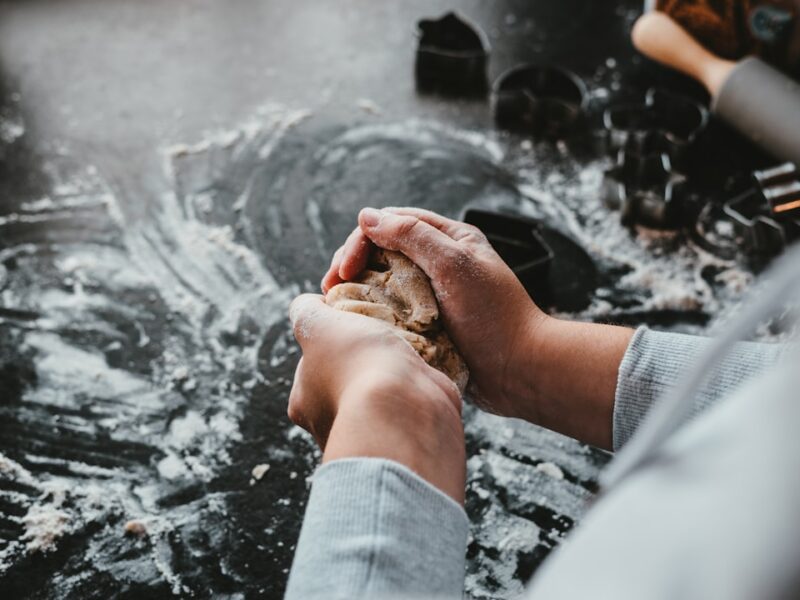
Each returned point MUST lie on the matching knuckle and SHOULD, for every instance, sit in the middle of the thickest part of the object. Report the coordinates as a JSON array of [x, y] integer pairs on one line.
[[406, 226], [476, 234]]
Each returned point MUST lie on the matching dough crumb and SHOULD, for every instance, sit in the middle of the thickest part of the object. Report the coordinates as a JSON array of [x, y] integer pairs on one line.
[[136, 528], [259, 471], [550, 469]]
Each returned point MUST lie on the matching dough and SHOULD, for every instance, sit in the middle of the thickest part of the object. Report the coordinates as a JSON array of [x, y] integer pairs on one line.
[[395, 290]]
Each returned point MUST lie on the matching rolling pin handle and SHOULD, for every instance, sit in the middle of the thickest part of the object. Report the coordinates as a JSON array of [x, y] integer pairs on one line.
[[660, 38]]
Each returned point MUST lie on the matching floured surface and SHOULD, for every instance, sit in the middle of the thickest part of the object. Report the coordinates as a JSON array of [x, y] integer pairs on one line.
[[147, 360]]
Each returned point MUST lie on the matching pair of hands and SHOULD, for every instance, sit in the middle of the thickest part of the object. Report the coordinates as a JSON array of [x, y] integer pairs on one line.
[[361, 390]]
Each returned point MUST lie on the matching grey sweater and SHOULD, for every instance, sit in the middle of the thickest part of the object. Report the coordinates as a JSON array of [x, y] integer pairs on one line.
[[374, 529]]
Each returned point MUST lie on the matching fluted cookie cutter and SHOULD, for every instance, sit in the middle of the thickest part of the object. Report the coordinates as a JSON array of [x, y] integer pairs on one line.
[[518, 242], [644, 187], [766, 216], [452, 56], [554, 269], [674, 122], [539, 100], [780, 187]]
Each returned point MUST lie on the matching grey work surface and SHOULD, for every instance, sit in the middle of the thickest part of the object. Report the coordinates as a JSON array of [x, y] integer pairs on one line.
[[171, 174]]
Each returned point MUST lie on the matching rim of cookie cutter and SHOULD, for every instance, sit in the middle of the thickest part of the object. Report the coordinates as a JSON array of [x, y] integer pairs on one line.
[[645, 188], [539, 99], [676, 119], [760, 233], [513, 232], [452, 55]]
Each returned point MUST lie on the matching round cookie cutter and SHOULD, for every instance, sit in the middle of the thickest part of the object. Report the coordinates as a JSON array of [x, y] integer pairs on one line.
[[540, 100], [452, 56]]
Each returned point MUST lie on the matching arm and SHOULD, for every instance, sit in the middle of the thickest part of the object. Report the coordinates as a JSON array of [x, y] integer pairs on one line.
[[523, 363], [384, 517], [589, 381], [374, 529], [655, 360]]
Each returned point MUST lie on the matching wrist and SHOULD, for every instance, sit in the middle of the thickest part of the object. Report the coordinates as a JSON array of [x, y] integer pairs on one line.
[[571, 379], [534, 342], [410, 421]]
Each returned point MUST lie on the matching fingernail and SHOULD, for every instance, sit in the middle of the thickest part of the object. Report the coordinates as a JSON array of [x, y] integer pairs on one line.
[[370, 217]]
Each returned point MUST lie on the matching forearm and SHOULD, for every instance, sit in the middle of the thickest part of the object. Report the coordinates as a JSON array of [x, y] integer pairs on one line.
[[571, 379], [407, 425], [597, 383]]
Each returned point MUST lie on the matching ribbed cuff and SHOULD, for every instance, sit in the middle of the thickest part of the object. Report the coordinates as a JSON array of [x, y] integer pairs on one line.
[[373, 528], [655, 361]]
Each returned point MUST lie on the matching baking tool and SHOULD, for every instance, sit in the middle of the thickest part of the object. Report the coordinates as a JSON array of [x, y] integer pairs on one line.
[[672, 122], [759, 101], [555, 270], [517, 241], [452, 56], [760, 219], [780, 187], [643, 186], [766, 216], [539, 100], [757, 231]]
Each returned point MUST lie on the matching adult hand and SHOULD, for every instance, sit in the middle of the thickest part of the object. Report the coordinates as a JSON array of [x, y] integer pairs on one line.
[[361, 390], [523, 363], [486, 311]]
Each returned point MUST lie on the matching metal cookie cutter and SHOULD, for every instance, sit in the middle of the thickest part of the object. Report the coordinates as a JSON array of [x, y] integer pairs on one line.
[[766, 217], [539, 100], [675, 120], [780, 187], [554, 269], [452, 56], [643, 186], [517, 241]]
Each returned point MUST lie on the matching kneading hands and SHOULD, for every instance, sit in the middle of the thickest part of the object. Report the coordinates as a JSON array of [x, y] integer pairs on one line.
[[361, 390]]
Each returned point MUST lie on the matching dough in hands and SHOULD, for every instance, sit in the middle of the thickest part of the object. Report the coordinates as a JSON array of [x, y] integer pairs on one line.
[[395, 290]]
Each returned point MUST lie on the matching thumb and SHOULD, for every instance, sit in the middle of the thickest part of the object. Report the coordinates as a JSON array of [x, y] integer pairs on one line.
[[423, 243], [308, 313]]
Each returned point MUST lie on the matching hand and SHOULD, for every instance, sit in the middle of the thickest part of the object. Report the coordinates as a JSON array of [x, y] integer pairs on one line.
[[523, 363], [485, 309], [361, 390]]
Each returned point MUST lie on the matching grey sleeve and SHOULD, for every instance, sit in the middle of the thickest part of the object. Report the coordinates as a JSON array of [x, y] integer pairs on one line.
[[374, 529], [654, 361]]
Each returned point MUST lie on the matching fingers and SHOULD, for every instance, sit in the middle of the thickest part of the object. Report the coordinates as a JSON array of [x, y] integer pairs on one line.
[[355, 254], [454, 229], [308, 313], [420, 241], [348, 261], [331, 278], [352, 258]]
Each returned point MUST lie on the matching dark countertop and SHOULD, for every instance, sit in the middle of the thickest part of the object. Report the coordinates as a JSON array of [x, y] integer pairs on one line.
[[171, 174]]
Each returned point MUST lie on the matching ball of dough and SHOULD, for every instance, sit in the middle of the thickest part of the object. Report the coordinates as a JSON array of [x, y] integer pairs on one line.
[[395, 290]]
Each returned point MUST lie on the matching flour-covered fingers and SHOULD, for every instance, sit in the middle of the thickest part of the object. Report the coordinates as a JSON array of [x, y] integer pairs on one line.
[[455, 229], [355, 255], [331, 277], [309, 315], [430, 248]]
